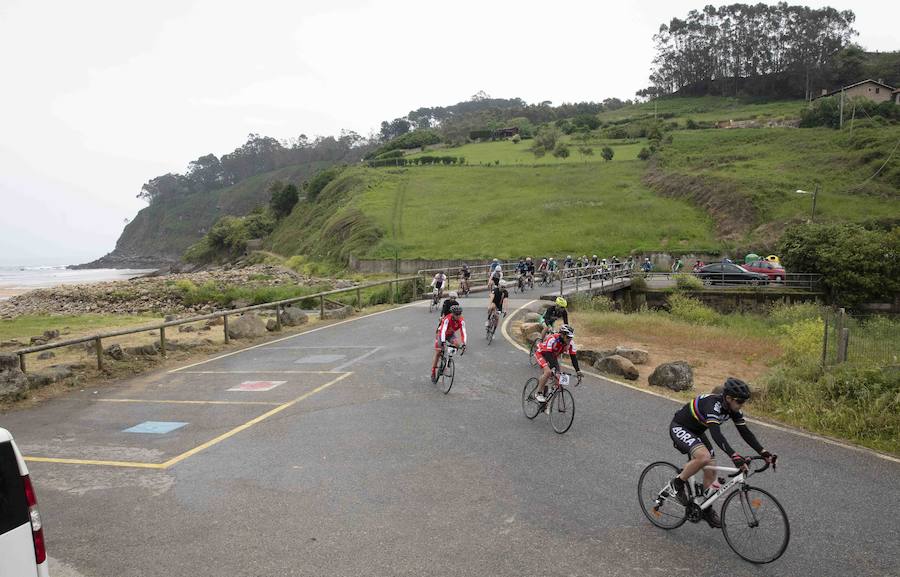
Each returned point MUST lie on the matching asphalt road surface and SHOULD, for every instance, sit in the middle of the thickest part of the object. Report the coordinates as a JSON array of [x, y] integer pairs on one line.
[[353, 464]]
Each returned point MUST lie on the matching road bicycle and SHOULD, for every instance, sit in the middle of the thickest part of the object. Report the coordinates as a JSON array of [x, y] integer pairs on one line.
[[493, 322], [463, 287], [753, 521], [446, 369], [545, 278], [520, 283], [559, 404], [435, 300], [529, 281]]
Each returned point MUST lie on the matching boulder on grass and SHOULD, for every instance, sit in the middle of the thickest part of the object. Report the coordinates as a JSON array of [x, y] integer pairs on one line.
[[590, 356], [636, 356], [186, 328], [115, 351], [338, 313], [51, 334], [46, 355], [215, 322], [8, 362], [291, 317], [531, 318], [528, 328], [271, 325], [246, 326], [676, 375], [13, 382], [616, 365]]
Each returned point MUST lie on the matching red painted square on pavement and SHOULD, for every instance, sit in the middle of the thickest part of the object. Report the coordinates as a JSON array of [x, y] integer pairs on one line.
[[252, 386]]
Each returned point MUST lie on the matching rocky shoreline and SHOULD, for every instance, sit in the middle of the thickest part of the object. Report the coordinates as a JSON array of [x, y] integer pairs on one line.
[[160, 293]]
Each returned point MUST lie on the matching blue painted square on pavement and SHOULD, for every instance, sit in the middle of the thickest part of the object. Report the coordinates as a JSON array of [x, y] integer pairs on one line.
[[155, 427]]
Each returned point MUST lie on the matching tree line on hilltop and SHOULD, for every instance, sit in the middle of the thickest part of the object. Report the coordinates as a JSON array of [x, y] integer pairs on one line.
[[779, 50]]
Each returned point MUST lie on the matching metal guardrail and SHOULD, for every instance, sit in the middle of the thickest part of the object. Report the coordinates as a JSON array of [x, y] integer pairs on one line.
[[98, 338], [796, 280]]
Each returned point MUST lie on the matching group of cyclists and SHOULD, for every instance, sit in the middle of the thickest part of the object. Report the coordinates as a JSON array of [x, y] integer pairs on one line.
[[706, 412]]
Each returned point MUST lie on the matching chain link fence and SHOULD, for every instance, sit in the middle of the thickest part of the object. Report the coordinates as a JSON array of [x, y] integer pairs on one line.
[[862, 339]]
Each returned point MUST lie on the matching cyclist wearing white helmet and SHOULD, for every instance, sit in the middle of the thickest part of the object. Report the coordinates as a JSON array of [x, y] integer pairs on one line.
[[547, 357]]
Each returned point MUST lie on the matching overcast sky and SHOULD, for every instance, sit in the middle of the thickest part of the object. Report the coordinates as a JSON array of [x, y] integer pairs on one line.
[[96, 98]]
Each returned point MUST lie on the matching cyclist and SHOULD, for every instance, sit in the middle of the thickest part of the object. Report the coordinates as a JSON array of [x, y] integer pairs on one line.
[[452, 326], [495, 277], [521, 268], [438, 282], [529, 269], [547, 357], [449, 302], [464, 275], [552, 267], [498, 298], [688, 432], [646, 266], [554, 312], [495, 264], [543, 268]]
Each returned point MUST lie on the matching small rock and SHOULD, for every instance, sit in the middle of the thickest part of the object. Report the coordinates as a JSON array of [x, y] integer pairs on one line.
[[218, 321], [51, 334], [46, 355], [36, 341], [205, 328], [187, 328], [531, 318], [616, 365], [291, 317], [8, 362], [115, 352], [271, 325], [153, 333], [245, 326], [342, 284], [338, 313], [170, 318], [677, 376], [636, 356], [12, 344]]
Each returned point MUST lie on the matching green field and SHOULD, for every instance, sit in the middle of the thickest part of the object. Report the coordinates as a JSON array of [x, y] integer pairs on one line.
[[509, 153], [707, 109], [26, 326]]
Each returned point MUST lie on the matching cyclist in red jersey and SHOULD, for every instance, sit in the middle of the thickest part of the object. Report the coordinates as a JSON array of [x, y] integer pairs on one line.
[[451, 330], [547, 353]]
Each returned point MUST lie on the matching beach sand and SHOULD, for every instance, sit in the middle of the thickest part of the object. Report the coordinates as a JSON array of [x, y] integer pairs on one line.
[[6, 292]]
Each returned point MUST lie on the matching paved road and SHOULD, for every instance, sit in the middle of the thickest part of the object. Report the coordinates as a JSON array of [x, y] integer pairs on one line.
[[379, 474]]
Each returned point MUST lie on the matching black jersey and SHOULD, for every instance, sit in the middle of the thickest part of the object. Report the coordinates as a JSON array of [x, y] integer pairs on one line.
[[704, 411], [445, 308], [498, 295], [554, 312]]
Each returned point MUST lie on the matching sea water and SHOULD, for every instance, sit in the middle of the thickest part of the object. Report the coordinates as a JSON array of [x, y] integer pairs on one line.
[[18, 279]]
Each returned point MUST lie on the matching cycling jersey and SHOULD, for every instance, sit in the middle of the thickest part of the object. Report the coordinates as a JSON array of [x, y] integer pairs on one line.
[[529, 268], [555, 312], [521, 268], [497, 297], [465, 274], [552, 265], [554, 344], [448, 329], [445, 308], [542, 266], [708, 412], [438, 280]]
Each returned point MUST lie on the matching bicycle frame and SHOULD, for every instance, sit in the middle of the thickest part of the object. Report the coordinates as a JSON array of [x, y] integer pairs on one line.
[[737, 477]]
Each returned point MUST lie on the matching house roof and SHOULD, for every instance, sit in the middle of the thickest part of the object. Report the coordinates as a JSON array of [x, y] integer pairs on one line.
[[833, 92]]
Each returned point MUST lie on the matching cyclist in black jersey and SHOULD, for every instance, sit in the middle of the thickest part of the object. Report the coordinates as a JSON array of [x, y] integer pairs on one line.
[[449, 302], [498, 301], [553, 313], [688, 433]]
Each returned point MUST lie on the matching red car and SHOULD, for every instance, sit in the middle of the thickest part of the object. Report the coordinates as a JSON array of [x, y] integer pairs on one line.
[[773, 270]]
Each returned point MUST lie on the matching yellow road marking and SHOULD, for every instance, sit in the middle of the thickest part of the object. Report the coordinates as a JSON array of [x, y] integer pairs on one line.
[[96, 462], [177, 459], [354, 319], [251, 422], [174, 402]]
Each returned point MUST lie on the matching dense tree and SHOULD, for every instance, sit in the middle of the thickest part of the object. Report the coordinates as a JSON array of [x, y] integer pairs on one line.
[[765, 49], [284, 197], [607, 153]]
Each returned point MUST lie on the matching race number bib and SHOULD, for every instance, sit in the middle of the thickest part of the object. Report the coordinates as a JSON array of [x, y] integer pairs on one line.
[[563, 379]]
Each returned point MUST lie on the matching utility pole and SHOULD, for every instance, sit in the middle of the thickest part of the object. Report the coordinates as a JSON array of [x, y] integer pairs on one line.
[[812, 218]]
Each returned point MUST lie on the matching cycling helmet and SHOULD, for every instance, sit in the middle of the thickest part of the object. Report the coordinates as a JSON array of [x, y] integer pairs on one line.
[[595, 256], [562, 302], [465, 267], [456, 310], [736, 388], [568, 256], [543, 260], [453, 295], [567, 330], [528, 259]]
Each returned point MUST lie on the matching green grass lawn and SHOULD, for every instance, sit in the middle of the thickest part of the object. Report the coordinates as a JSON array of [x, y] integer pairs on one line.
[[510, 153], [708, 109], [27, 326], [470, 211], [769, 165]]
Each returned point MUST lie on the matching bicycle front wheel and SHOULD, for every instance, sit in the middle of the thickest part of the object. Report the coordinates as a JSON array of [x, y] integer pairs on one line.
[[562, 411], [530, 407], [755, 525], [446, 381], [662, 510], [490, 332]]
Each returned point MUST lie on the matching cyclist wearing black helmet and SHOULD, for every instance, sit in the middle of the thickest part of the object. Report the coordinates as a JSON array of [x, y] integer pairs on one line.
[[688, 433]]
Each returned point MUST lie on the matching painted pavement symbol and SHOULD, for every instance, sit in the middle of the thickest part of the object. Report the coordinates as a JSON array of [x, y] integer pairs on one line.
[[252, 386], [319, 359], [155, 427]]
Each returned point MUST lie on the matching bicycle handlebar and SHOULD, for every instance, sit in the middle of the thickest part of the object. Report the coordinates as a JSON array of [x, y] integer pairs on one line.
[[755, 471]]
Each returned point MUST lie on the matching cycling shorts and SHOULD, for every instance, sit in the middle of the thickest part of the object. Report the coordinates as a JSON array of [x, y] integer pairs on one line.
[[687, 441], [453, 340], [547, 358], [439, 285]]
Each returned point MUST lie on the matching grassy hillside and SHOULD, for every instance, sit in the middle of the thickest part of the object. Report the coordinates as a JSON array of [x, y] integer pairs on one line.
[[707, 109], [503, 211], [507, 152], [747, 178]]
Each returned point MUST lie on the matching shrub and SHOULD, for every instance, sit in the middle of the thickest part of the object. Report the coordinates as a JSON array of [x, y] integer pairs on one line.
[[283, 199], [644, 154], [692, 310], [561, 150], [607, 153], [516, 139], [802, 341], [687, 281], [321, 180]]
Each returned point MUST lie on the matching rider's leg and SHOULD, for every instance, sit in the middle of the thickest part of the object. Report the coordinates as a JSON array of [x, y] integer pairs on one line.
[[700, 458]]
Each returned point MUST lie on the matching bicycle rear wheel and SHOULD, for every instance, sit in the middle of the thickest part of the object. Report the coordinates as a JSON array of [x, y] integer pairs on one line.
[[446, 381], [530, 407], [562, 411], [663, 511], [755, 525]]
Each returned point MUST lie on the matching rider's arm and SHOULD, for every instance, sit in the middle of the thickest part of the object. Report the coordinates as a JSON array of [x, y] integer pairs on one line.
[[715, 431], [574, 358], [748, 436], [462, 324], [565, 316], [444, 325]]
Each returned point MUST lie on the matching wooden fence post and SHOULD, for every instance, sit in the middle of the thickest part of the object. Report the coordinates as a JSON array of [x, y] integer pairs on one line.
[[843, 343], [358, 300], [277, 317], [162, 341], [225, 327], [322, 307], [22, 362], [825, 343], [391, 289], [98, 346]]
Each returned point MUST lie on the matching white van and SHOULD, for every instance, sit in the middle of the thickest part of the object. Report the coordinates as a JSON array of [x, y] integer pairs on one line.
[[22, 552]]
